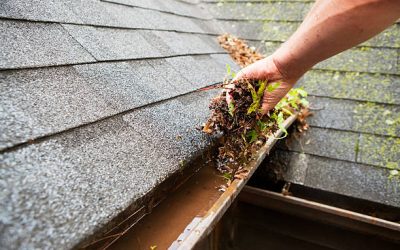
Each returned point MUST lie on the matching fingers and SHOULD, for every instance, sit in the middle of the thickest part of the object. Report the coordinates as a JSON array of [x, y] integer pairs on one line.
[[255, 71], [242, 74], [270, 99]]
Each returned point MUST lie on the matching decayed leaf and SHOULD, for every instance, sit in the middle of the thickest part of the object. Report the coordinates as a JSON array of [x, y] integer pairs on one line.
[[241, 53], [235, 113]]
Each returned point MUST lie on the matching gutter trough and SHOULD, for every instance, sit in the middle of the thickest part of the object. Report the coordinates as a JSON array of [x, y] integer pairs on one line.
[[200, 227], [168, 226], [195, 215]]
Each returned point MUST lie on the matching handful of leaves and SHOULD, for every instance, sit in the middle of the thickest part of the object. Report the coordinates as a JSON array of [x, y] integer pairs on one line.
[[235, 114]]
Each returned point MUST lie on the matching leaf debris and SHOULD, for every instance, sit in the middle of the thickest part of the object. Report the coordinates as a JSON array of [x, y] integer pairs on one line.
[[235, 113]]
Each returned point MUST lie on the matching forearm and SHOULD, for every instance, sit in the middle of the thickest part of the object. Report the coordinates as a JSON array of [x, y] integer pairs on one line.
[[331, 27]]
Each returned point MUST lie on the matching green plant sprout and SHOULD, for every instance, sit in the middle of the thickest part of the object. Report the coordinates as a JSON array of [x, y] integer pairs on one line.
[[229, 71], [256, 96], [236, 114]]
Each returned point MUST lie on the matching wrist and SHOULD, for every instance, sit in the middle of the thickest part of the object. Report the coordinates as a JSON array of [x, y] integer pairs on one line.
[[289, 65]]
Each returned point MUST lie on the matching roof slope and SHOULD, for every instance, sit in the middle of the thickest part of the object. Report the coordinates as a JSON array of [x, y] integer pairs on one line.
[[99, 106], [354, 138]]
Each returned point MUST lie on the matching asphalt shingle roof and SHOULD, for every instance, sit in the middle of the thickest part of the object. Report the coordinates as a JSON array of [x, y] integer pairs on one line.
[[99, 106], [354, 137]]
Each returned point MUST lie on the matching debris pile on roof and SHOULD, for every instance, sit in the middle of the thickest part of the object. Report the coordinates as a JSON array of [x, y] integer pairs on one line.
[[235, 113], [239, 50]]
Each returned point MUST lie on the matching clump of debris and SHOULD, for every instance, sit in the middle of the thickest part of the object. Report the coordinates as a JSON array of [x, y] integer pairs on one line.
[[235, 113], [240, 52]]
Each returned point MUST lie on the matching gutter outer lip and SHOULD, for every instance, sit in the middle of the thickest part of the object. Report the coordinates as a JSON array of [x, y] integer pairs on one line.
[[200, 227]]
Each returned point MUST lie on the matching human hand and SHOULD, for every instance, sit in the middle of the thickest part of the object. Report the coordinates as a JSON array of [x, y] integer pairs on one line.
[[268, 70]]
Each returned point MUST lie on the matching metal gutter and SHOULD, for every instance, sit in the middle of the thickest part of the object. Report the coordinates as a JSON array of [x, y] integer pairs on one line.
[[320, 212], [200, 227]]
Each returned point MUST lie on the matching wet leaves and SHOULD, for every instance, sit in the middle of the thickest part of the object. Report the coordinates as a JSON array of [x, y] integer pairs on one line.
[[239, 50], [236, 116], [244, 129]]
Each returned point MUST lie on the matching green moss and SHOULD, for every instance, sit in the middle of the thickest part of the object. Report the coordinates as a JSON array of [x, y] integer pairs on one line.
[[380, 151], [377, 119], [375, 60], [278, 31], [388, 38], [352, 85]]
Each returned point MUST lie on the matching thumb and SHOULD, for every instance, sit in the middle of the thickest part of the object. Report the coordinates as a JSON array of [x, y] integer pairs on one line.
[[271, 98], [254, 71], [242, 74]]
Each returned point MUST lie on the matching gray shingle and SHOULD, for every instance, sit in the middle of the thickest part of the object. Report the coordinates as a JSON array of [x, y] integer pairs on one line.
[[172, 127], [123, 86], [95, 12], [374, 60], [209, 26], [171, 6], [26, 44], [353, 85], [355, 116], [212, 42], [141, 18], [388, 38], [281, 31], [188, 65], [339, 145], [191, 1], [117, 44], [224, 60], [249, 1], [364, 59], [265, 47], [39, 10], [205, 69], [181, 43], [128, 85], [181, 8], [167, 72], [398, 60], [159, 42], [379, 151], [52, 191], [100, 13], [194, 72], [38, 102], [265, 30], [150, 4], [285, 11], [112, 44], [207, 65], [155, 20], [155, 86], [180, 23], [351, 179]]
